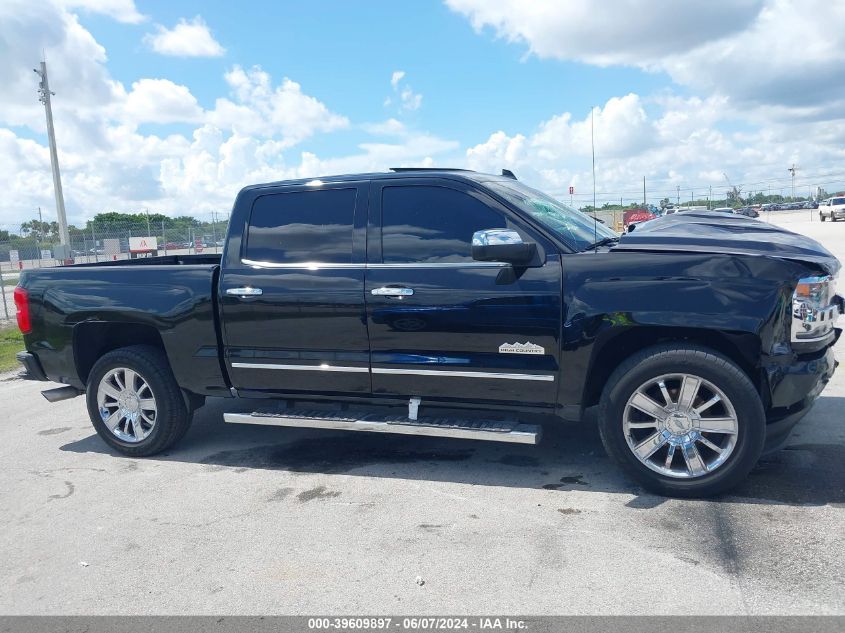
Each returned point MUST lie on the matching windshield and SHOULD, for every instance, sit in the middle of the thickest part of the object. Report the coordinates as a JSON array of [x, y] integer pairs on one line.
[[838, 201], [577, 229]]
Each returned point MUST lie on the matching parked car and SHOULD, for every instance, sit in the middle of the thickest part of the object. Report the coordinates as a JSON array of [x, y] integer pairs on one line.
[[749, 212], [474, 304], [832, 208], [173, 246]]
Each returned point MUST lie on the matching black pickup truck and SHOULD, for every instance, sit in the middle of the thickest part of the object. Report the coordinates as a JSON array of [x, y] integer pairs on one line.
[[454, 303]]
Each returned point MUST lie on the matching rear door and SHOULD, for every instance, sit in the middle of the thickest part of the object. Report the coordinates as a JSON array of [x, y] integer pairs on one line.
[[444, 326], [292, 292]]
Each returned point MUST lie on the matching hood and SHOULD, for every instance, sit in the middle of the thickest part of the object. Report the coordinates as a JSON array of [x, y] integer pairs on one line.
[[709, 232]]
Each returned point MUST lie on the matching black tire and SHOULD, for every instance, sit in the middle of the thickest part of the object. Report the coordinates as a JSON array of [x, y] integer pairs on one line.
[[172, 418], [697, 361], [821, 216]]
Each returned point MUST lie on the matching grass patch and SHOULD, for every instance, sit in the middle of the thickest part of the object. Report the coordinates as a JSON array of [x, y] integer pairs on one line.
[[11, 342], [10, 282]]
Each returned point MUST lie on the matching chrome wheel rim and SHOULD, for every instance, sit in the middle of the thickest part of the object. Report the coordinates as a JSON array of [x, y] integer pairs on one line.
[[127, 404], [680, 425]]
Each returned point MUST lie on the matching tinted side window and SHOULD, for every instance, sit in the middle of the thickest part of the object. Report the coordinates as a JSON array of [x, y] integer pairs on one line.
[[302, 226], [432, 224]]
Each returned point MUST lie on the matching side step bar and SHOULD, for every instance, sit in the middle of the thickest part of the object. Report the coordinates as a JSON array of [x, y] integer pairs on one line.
[[61, 393], [490, 430]]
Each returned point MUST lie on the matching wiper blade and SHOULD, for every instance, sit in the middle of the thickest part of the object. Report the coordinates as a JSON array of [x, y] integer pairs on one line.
[[602, 242]]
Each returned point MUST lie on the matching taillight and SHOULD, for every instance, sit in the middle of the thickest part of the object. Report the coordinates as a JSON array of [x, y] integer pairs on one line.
[[22, 304]]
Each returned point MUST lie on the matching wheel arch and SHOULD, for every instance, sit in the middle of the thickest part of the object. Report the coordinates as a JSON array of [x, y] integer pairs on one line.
[[741, 348], [92, 340]]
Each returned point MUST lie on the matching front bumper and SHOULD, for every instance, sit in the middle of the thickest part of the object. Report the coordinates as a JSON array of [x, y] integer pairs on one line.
[[794, 389], [32, 365]]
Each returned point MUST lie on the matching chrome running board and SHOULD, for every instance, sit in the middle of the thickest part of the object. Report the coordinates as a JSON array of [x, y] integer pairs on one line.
[[489, 430]]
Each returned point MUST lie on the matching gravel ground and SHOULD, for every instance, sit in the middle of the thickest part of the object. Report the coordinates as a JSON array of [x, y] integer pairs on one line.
[[241, 520]]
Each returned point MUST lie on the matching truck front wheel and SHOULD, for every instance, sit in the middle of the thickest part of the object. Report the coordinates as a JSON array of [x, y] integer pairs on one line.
[[134, 402], [682, 420]]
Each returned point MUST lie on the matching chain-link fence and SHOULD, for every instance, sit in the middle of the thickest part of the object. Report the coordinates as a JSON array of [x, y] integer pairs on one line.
[[103, 241]]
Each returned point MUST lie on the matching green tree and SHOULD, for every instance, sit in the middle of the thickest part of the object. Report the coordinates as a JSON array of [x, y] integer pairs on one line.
[[41, 231]]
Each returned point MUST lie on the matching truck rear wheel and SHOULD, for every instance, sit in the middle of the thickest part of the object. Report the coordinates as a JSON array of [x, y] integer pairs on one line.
[[134, 402], [682, 420]]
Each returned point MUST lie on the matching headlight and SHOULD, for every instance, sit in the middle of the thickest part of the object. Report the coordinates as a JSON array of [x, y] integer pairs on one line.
[[814, 309]]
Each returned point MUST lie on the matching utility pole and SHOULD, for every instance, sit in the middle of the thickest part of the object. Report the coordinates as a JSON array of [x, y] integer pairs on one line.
[[147, 211], [679, 195], [792, 171], [644, 200], [709, 197], [44, 97]]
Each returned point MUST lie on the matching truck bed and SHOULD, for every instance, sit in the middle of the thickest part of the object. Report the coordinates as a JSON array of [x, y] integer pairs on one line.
[[80, 310]]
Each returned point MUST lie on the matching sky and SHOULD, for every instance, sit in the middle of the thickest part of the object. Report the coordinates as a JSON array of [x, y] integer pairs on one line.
[[174, 106]]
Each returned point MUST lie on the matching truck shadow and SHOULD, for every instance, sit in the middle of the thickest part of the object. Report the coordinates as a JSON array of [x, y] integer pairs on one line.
[[809, 471]]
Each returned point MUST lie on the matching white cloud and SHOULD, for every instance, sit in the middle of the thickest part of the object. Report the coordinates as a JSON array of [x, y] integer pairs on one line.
[[408, 99], [161, 101], [108, 163], [792, 57], [261, 109], [390, 127], [681, 143], [782, 55], [75, 60], [630, 32], [186, 39], [120, 10], [256, 132]]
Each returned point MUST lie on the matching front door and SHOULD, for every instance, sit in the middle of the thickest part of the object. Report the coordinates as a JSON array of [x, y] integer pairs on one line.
[[292, 293], [443, 326]]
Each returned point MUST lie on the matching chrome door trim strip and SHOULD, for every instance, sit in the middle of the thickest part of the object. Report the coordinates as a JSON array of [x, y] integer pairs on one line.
[[321, 367], [301, 266], [407, 372], [463, 374], [441, 265], [328, 266]]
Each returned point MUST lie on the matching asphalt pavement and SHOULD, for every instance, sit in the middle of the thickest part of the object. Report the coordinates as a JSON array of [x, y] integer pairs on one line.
[[259, 520]]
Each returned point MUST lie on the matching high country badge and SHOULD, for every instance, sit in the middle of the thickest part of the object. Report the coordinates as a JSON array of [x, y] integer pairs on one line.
[[521, 348]]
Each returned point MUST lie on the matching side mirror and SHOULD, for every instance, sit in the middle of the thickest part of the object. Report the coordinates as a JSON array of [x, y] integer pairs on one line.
[[502, 245]]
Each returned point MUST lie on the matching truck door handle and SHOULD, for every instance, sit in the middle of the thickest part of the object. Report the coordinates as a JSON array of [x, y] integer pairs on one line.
[[244, 291], [386, 291]]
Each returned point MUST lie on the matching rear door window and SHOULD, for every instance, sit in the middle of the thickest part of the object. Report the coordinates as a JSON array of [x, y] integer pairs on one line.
[[301, 227]]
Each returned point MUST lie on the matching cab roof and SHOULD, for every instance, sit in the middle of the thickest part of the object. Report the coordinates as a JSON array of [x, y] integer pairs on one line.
[[395, 172]]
